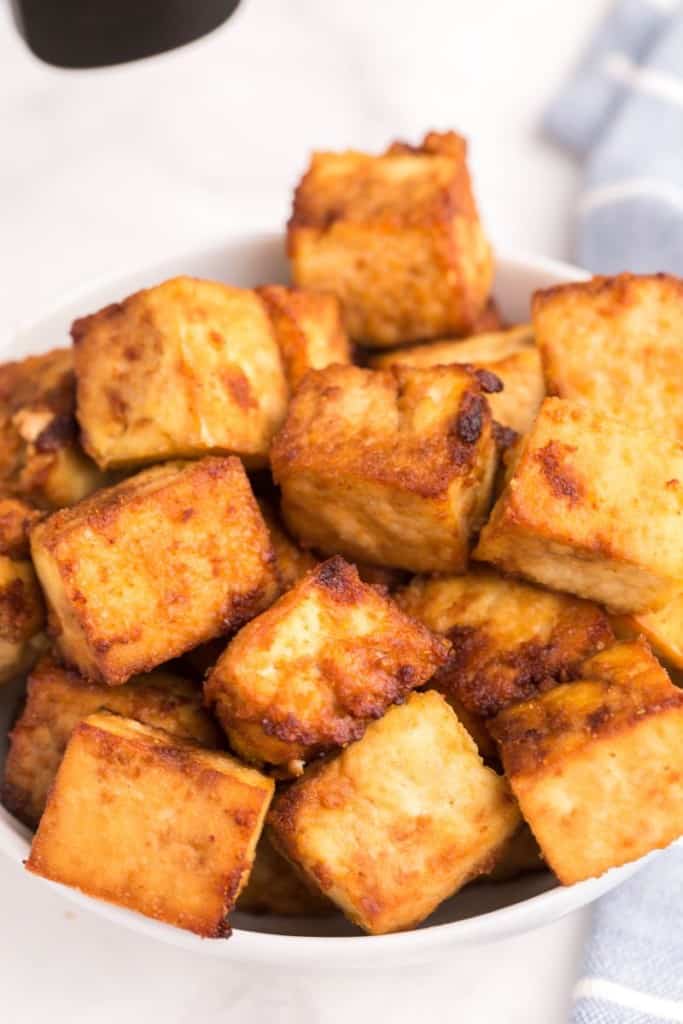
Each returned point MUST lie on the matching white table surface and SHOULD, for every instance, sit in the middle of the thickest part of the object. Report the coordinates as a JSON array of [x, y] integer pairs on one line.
[[107, 169]]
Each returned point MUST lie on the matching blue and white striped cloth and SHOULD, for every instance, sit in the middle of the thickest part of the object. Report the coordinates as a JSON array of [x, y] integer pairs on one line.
[[621, 115]]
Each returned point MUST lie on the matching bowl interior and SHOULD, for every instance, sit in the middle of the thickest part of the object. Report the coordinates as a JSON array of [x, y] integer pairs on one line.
[[481, 911]]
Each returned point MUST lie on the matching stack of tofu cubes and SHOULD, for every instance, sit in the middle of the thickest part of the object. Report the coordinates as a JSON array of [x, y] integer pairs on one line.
[[340, 595]]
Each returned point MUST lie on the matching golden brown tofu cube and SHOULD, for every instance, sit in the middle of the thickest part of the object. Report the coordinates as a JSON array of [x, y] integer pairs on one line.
[[663, 629], [184, 369], [309, 674], [142, 572], [510, 639], [595, 764], [391, 467], [308, 328], [151, 822], [511, 355], [40, 457], [58, 699], [615, 342], [592, 506], [274, 887], [400, 820], [396, 237], [22, 611]]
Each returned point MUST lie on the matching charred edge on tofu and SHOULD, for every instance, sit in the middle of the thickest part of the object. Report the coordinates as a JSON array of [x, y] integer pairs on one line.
[[530, 669], [562, 481], [338, 578], [525, 748], [490, 382], [504, 437]]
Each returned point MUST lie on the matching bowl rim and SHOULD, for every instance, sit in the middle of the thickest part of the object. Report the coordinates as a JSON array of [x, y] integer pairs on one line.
[[521, 259], [313, 950]]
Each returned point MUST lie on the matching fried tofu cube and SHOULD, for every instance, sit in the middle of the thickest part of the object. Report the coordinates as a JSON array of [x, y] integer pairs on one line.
[[140, 573], [184, 369], [592, 506], [615, 342], [510, 639], [274, 887], [308, 328], [398, 821], [663, 629], [58, 698], [151, 822], [391, 467], [22, 611], [595, 764], [511, 355], [396, 237], [309, 675], [40, 457]]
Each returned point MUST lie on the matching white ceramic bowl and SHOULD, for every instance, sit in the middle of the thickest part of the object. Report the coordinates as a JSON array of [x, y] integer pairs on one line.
[[482, 912]]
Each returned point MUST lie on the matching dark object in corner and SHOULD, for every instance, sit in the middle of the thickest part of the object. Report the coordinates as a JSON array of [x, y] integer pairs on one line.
[[87, 34]]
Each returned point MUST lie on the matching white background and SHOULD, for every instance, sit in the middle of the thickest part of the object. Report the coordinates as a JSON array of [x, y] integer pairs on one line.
[[101, 171]]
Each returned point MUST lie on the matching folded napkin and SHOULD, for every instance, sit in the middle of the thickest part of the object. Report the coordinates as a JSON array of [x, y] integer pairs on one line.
[[622, 115], [632, 970]]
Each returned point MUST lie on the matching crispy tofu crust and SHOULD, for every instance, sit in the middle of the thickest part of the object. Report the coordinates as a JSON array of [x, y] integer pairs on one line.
[[396, 237], [184, 369], [573, 511], [309, 675], [151, 822], [275, 887], [142, 572], [615, 342], [595, 764], [511, 355], [392, 468], [510, 639], [40, 457], [58, 698], [308, 328], [400, 820]]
